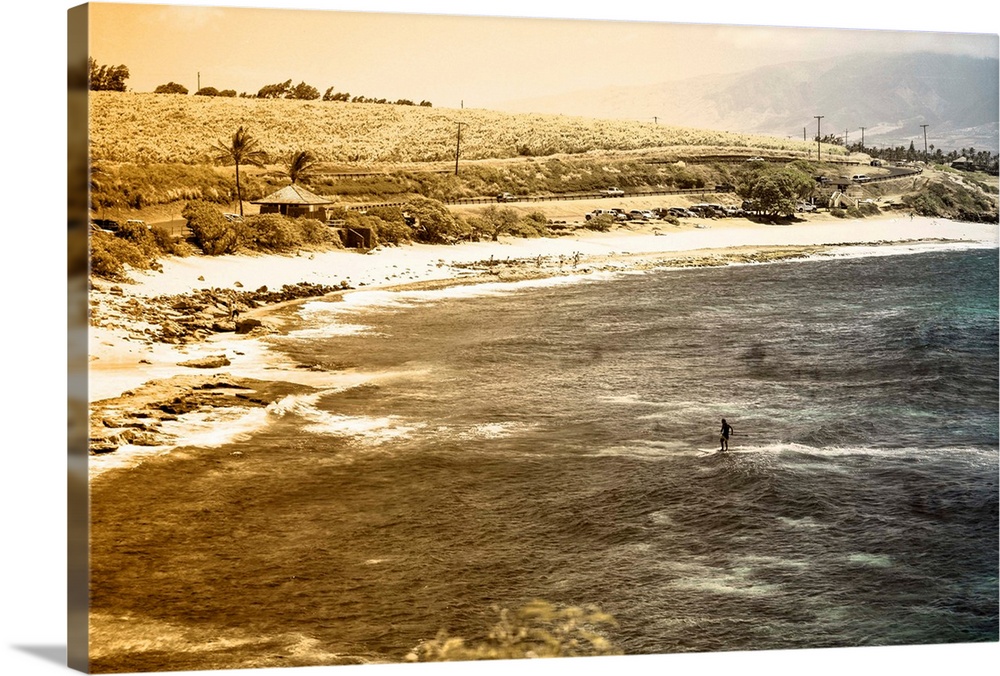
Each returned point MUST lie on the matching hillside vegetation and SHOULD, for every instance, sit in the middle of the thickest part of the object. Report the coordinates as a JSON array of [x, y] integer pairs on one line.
[[171, 128]]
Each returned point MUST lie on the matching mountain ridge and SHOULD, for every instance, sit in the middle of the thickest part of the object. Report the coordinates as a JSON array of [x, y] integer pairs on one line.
[[890, 95]]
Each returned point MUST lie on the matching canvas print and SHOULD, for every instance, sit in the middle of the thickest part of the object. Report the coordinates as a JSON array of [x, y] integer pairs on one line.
[[416, 338]]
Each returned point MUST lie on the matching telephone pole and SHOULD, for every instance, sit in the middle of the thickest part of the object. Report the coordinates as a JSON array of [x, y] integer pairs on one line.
[[458, 144], [818, 118], [924, 127], [862, 139]]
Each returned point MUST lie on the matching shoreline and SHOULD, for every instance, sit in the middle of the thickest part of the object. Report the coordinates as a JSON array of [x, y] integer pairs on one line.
[[149, 397]]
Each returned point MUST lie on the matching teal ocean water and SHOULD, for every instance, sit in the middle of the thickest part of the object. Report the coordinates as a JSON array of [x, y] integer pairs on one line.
[[558, 440]]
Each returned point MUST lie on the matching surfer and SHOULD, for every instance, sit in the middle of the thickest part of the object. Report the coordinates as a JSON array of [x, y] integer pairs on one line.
[[727, 430]]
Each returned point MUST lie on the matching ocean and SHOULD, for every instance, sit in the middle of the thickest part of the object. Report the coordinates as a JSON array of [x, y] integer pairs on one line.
[[559, 440]]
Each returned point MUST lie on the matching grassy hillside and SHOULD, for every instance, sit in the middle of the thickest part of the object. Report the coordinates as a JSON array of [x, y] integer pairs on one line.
[[166, 128]]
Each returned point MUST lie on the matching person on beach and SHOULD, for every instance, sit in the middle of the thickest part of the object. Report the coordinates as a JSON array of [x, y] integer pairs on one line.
[[727, 430]]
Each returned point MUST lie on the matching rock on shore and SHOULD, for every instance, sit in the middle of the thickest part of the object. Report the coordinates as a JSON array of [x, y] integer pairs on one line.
[[137, 416]]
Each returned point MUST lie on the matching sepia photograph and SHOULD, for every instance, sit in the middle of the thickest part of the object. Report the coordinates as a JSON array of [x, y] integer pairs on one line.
[[425, 341]]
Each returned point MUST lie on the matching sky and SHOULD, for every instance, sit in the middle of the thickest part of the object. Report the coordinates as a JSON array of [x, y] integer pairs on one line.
[[432, 53]]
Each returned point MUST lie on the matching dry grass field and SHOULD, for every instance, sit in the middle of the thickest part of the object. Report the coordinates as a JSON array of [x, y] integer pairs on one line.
[[167, 128]]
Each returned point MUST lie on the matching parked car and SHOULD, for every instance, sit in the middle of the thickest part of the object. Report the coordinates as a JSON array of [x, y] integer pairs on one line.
[[612, 192], [755, 159], [860, 178], [822, 180], [641, 215], [616, 214], [233, 218], [680, 212], [704, 210], [506, 197], [805, 206]]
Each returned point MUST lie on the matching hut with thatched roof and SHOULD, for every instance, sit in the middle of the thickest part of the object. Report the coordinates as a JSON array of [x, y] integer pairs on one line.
[[294, 201]]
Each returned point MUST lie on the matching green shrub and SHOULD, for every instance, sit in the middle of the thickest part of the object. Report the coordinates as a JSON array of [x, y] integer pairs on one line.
[[868, 209], [434, 223], [392, 233], [312, 231], [837, 212], [168, 244], [139, 234], [538, 629], [273, 232], [212, 232], [600, 223], [533, 225], [109, 254]]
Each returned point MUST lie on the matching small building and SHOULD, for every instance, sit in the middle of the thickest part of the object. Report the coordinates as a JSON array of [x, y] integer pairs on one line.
[[294, 201], [963, 163]]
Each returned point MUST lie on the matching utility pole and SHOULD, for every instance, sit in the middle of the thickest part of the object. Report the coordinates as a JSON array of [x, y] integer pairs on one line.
[[199, 80], [862, 139], [818, 118], [804, 134], [845, 139], [924, 127], [458, 145]]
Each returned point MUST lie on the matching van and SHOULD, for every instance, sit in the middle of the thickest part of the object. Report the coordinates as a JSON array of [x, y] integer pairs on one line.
[[860, 178]]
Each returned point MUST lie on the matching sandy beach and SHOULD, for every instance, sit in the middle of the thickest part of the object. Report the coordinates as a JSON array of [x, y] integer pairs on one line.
[[133, 378]]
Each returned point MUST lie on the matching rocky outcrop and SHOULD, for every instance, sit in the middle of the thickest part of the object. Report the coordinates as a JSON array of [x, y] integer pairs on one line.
[[213, 362], [137, 416], [195, 316]]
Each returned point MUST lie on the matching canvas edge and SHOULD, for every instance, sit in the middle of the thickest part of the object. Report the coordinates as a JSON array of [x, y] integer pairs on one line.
[[77, 197]]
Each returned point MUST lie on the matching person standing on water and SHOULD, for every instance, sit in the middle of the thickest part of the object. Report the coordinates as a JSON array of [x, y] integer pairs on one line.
[[727, 430]]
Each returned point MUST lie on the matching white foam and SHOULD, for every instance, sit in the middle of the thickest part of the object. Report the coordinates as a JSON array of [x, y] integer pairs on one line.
[[203, 429]]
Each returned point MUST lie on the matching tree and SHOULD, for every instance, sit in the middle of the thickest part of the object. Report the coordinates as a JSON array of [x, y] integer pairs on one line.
[[207, 91], [495, 221], [274, 91], [241, 149], [433, 222], [775, 191], [228, 93], [304, 92], [106, 78], [171, 88], [300, 165]]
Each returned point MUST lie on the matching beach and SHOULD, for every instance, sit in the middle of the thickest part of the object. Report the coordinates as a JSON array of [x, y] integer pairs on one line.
[[132, 373]]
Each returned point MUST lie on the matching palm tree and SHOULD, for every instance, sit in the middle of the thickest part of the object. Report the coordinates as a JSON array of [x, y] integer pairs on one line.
[[300, 165], [241, 149]]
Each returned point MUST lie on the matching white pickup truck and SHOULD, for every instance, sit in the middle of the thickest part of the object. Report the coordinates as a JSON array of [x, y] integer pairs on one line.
[[611, 192]]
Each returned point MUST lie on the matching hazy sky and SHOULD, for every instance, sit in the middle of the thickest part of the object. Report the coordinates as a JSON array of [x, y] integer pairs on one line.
[[476, 60]]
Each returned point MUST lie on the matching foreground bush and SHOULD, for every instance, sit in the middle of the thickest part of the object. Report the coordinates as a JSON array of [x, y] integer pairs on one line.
[[538, 629]]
